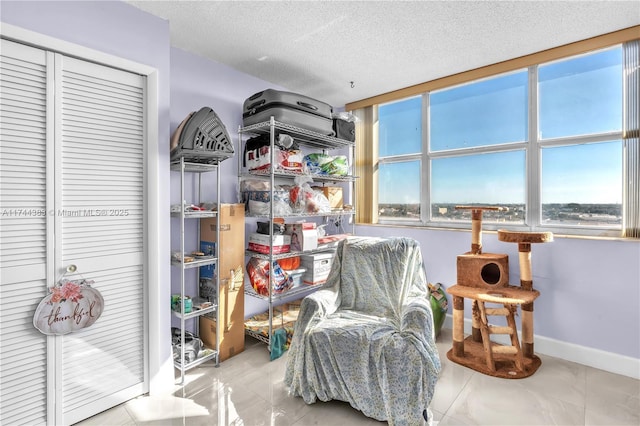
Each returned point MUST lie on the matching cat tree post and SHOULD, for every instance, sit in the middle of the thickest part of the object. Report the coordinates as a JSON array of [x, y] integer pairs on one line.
[[476, 249], [458, 326], [524, 240]]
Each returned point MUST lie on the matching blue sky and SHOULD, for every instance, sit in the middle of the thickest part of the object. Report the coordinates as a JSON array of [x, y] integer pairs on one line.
[[576, 97]]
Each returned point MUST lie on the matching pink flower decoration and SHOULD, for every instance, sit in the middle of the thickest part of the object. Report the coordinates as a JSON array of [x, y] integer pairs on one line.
[[67, 291]]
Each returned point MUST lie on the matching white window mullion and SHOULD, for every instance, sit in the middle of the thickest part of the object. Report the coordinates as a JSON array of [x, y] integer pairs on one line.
[[534, 154], [425, 191]]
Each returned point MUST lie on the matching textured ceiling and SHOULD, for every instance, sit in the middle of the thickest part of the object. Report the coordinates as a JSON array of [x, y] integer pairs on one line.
[[319, 47]]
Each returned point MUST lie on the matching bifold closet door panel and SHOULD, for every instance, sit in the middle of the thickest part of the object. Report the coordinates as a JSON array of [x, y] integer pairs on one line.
[[100, 196], [24, 222]]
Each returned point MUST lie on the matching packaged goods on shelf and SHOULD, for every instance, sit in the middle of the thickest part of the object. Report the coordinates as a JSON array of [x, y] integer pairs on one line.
[[333, 194], [318, 266], [289, 263], [209, 248], [207, 288], [257, 155], [260, 243], [304, 199], [324, 164], [193, 346], [258, 271], [296, 276], [264, 228], [304, 236], [256, 196], [257, 202]]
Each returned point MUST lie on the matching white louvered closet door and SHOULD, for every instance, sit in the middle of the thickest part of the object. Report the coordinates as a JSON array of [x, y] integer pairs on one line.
[[100, 217], [25, 255], [82, 162]]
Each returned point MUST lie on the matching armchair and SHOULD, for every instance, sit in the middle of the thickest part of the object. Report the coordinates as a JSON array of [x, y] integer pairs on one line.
[[367, 337]]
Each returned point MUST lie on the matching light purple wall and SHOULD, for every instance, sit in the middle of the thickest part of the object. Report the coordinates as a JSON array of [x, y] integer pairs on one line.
[[589, 289]]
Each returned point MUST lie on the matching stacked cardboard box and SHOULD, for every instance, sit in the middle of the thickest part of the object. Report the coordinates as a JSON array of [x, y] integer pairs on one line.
[[230, 268]]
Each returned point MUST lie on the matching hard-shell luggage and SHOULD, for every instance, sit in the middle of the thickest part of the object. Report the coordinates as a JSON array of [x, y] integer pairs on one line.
[[288, 108], [344, 129]]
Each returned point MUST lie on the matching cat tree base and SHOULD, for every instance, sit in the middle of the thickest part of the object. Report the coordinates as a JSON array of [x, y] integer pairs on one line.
[[474, 358]]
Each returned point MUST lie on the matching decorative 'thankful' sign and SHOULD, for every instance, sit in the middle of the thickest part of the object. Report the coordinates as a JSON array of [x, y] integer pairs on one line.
[[71, 305]]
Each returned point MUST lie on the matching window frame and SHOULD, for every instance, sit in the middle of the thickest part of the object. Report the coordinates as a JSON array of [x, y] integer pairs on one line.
[[532, 147]]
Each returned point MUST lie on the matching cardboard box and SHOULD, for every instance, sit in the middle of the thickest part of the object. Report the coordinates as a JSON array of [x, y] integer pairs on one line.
[[333, 194], [231, 343], [260, 243], [304, 236], [318, 266], [230, 267]]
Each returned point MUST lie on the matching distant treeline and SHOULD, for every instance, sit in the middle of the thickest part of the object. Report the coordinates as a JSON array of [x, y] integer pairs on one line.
[[554, 212]]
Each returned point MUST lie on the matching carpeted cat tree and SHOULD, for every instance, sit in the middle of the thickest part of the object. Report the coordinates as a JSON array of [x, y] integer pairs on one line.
[[483, 278]]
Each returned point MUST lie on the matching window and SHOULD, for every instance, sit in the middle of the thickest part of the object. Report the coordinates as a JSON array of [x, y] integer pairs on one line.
[[400, 164], [580, 112], [545, 141], [480, 179], [488, 112], [582, 185], [477, 135], [581, 95]]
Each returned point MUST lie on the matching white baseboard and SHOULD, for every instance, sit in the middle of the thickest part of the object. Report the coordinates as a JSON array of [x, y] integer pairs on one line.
[[596, 358]]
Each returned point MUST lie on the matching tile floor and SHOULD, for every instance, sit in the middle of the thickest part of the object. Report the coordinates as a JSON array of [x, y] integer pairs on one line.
[[248, 390]]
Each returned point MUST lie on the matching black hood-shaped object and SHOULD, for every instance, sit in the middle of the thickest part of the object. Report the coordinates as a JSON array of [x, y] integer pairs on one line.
[[203, 139]]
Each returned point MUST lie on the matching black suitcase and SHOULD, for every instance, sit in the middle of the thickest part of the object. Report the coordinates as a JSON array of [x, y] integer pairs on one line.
[[288, 108], [344, 129]]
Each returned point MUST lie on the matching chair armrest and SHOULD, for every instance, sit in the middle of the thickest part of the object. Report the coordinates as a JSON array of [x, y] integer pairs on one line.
[[322, 303], [313, 309], [417, 318]]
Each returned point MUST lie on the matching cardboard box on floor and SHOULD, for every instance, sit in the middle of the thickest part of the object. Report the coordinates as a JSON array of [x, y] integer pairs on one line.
[[231, 280]]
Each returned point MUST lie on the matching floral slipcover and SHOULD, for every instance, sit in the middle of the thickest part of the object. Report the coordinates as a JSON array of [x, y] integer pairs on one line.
[[367, 336]]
